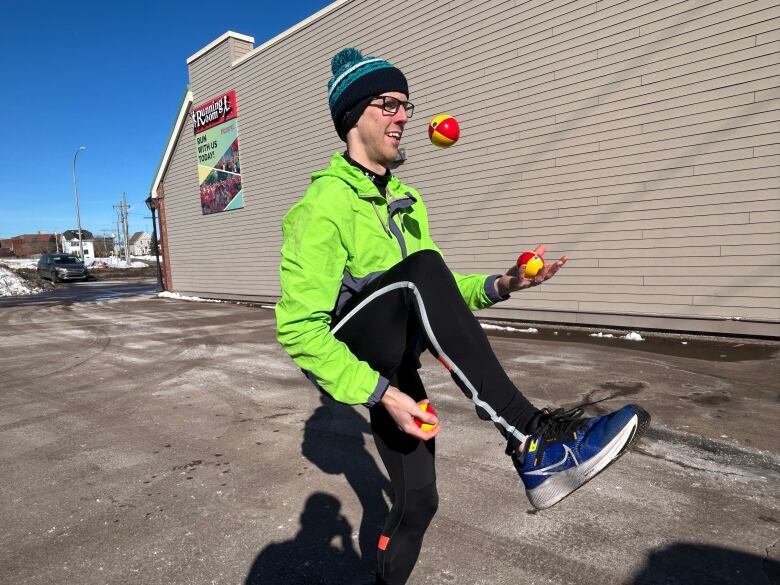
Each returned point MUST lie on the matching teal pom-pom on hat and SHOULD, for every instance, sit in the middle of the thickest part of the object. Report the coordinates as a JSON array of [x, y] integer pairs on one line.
[[345, 58], [356, 78]]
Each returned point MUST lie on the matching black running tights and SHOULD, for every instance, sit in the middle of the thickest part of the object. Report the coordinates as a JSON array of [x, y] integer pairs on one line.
[[413, 306]]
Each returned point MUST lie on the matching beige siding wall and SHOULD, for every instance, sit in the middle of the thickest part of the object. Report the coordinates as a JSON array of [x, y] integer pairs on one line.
[[641, 138]]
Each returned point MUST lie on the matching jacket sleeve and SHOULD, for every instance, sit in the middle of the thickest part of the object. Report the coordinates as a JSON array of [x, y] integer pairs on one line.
[[311, 272], [478, 290]]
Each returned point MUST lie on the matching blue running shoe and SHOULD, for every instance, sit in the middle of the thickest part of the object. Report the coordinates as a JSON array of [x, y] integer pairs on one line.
[[566, 451]]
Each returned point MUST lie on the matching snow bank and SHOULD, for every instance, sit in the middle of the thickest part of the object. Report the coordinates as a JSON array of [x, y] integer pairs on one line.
[[95, 263], [11, 285], [170, 295], [631, 336], [499, 328], [26, 263], [113, 262]]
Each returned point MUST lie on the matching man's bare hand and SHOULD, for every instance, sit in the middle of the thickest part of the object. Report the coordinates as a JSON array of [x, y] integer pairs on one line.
[[404, 410], [514, 279]]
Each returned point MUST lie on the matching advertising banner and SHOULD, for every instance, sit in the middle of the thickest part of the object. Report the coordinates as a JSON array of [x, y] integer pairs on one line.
[[219, 165]]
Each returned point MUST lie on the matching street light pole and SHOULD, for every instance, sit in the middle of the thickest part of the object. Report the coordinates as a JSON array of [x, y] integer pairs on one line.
[[76, 195], [152, 203]]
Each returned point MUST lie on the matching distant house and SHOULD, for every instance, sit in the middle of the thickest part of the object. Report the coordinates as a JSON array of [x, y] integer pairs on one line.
[[140, 244], [70, 243]]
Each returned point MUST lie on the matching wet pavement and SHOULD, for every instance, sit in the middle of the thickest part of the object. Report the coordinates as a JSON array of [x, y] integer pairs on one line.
[[159, 441]]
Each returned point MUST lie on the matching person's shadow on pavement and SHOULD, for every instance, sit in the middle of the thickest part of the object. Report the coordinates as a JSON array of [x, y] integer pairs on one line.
[[311, 558], [683, 563], [333, 440]]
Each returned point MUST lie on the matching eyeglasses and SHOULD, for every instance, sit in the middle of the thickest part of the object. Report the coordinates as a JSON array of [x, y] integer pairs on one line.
[[390, 105]]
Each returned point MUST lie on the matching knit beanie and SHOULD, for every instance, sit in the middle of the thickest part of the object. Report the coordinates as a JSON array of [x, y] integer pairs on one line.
[[356, 79]]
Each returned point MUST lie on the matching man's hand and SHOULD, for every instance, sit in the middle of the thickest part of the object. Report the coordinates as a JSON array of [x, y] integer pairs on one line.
[[515, 280], [404, 410]]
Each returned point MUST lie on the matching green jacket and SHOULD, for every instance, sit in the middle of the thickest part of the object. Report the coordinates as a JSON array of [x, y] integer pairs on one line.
[[337, 238]]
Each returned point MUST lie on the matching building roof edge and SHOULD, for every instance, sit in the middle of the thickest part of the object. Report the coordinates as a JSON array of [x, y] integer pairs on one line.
[[217, 41], [173, 136]]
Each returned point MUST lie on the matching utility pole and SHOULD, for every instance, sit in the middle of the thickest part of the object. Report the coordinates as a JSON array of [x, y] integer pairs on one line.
[[76, 195], [106, 233], [127, 238], [122, 225]]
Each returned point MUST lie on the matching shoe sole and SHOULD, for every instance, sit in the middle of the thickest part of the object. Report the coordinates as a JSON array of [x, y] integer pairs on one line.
[[562, 484], [643, 424]]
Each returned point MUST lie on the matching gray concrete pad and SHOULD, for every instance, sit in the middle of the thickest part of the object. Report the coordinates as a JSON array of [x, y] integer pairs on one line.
[[159, 441]]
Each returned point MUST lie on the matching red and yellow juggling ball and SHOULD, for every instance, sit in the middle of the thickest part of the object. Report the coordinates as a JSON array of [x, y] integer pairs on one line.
[[443, 130], [533, 263], [425, 407]]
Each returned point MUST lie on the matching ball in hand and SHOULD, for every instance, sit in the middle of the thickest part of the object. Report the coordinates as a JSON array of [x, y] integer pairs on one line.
[[425, 407], [533, 263]]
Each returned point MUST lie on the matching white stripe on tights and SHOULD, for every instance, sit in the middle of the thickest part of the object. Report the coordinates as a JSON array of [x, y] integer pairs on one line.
[[435, 343]]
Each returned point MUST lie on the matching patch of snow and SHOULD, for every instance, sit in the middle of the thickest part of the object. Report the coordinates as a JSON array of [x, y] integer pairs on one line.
[[602, 334], [633, 336], [25, 263], [170, 295], [11, 285], [114, 262], [499, 328]]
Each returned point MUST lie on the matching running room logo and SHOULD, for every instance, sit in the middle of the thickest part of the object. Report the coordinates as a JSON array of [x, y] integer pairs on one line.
[[214, 112], [219, 159]]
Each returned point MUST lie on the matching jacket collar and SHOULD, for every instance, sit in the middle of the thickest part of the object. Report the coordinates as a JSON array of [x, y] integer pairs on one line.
[[339, 167]]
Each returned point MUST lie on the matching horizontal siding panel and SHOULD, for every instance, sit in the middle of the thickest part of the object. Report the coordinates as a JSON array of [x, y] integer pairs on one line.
[[688, 310], [685, 261], [757, 162], [769, 36], [769, 303], [765, 216], [706, 194], [767, 149]]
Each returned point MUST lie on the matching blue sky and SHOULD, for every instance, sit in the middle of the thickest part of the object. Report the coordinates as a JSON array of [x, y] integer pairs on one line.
[[108, 76]]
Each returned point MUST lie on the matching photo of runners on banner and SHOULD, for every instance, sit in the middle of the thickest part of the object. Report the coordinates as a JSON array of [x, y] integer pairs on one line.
[[219, 165]]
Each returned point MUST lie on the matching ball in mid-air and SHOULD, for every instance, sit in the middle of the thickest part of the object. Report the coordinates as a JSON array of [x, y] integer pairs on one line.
[[425, 407], [533, 263], [443, 130]]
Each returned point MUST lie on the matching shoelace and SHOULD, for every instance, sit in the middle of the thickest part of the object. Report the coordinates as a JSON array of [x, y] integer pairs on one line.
[[560, 422]]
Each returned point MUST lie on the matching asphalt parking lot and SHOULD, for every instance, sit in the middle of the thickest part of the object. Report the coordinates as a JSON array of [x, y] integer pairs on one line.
[[158, 441]]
